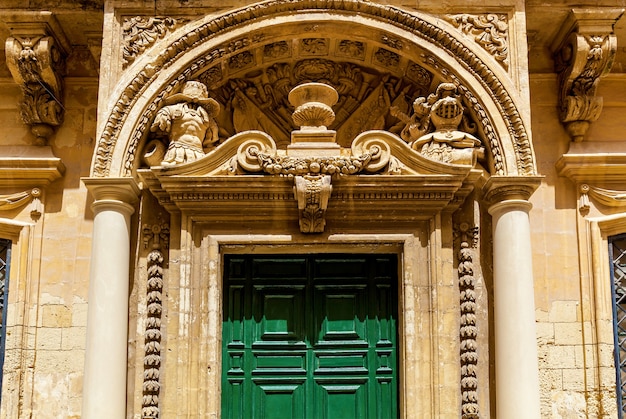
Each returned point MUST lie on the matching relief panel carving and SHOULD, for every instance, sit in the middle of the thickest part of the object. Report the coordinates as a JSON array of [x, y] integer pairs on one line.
[[490, 31], [141, 32]]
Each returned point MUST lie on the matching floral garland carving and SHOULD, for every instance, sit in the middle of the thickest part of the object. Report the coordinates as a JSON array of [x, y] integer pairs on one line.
[[140, 33], [152, 340], [429, 32], [468, 330], [490, 31]]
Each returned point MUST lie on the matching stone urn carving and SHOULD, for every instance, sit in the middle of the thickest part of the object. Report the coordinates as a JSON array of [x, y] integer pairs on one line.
[[313, 103]]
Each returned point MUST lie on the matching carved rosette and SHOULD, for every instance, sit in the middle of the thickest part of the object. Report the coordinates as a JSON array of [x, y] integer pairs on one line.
[[490, 31], [584, 53], [158, 234], [312, 194], [468, 330], [36, 63]]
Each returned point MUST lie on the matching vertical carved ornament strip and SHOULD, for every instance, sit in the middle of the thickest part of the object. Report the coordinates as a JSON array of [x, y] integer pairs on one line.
[[158, 234], [468, 330]]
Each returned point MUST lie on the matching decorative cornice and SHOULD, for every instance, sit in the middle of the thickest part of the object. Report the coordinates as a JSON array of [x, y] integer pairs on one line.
[[601, 165], [584, 51], [490, 31], [428, 31], [28, 166], [141, 32], [35, 55]]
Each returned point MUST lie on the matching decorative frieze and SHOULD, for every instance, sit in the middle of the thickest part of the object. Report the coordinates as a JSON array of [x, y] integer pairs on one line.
[[490, 31], [584, 51], [35, 55]]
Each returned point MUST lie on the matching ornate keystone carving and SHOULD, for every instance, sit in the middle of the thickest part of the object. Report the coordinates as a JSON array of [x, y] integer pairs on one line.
[[35, 52], [584, 51], [312, 194], [490, 31]]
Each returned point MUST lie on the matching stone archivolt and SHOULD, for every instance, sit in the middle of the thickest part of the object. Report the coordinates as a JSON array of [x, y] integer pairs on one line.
[[230, 71]]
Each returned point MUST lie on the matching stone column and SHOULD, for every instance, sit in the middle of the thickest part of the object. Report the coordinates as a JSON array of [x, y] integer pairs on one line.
[[104, 382], [517, 369]]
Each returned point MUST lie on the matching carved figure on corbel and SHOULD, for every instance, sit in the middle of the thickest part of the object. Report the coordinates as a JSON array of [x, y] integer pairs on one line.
[[584, 53], [188, 120], [312, 194], [158, 234], [433, 129], [36, 64]]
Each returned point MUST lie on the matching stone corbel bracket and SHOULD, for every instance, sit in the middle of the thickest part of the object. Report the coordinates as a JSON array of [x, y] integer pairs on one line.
[[584, 50], [312, 194], [35, 52]]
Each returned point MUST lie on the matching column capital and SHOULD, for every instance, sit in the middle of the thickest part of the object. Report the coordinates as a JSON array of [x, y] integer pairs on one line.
[[125, 189], [508, 188]]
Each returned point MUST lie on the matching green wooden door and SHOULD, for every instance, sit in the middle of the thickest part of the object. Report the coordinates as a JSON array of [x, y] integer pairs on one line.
[[310, 336]]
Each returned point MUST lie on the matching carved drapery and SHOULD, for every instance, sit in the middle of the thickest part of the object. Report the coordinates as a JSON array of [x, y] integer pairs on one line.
[[16, 200], [468, 330], [584, 51], [158, 236], [35, 53], [210, 63]]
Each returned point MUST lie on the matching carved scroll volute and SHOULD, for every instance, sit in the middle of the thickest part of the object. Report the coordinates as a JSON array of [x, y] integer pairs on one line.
[[35, 58], [584, 53], [312, 194]]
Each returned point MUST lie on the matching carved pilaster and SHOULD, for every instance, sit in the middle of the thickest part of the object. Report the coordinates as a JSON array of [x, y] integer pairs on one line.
[[35, 52], [584, 51], [158, 236], [312, 194], [468, 331]]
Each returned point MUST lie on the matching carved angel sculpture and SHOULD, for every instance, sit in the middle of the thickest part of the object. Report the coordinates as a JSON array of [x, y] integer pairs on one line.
[[189, 121]]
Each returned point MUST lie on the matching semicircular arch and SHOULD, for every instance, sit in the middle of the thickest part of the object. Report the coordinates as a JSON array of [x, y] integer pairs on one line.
[[224, 49]]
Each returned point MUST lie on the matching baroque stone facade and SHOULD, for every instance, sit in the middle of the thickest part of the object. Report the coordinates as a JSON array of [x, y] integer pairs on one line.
[[152, 150]]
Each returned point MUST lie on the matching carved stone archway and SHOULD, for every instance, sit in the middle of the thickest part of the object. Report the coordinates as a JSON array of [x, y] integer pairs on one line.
[[245, 193]]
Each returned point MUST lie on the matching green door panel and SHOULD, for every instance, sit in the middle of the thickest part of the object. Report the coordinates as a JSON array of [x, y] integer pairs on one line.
[[310, 337]]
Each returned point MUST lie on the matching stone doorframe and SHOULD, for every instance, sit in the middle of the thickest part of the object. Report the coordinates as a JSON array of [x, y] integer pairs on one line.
[[134, 93]]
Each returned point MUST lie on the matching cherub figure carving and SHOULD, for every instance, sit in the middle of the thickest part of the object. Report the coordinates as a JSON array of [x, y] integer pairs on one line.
[[188, 119], [416, 124]]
